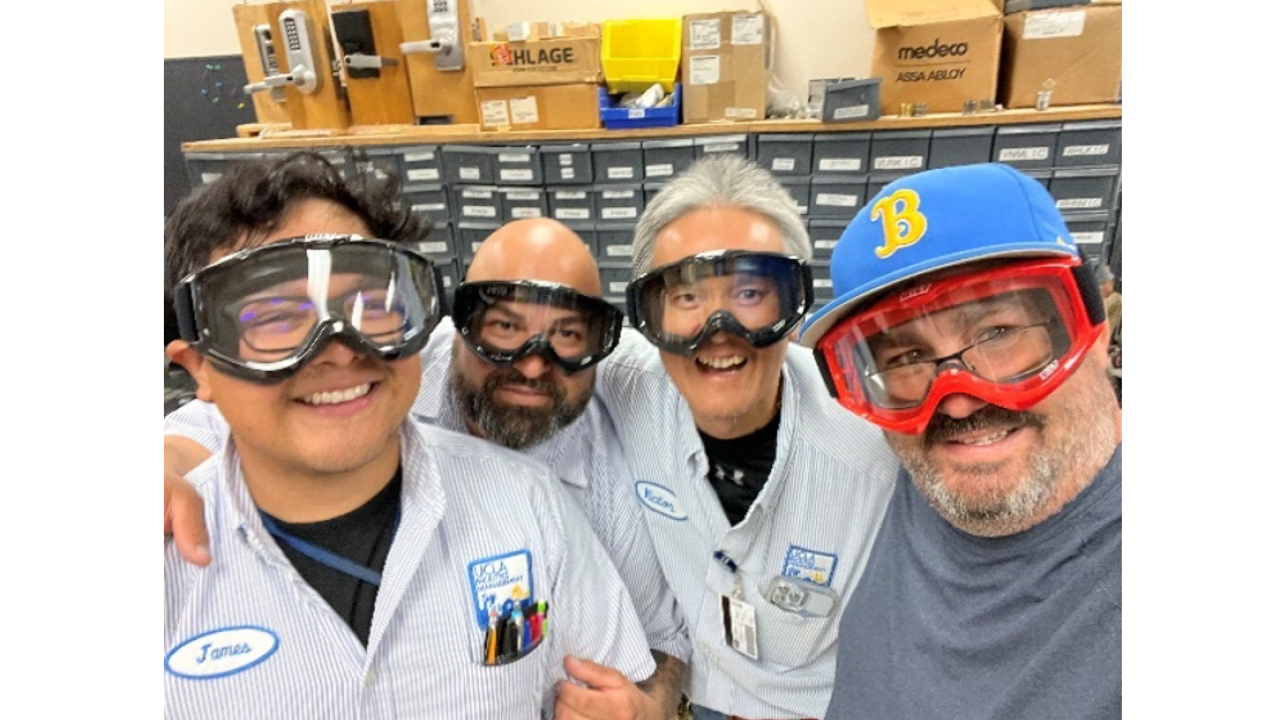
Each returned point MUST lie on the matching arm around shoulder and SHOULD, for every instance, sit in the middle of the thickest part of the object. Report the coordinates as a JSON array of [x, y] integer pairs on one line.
[[183, 508]]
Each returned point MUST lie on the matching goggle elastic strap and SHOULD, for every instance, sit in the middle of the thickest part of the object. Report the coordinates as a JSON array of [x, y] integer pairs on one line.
[[184, 308], [1090, 293]]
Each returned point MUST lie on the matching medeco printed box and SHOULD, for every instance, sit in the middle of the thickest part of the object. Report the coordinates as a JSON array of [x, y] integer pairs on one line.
[[937, 52], [1073, 52], [725, 66], [547, 61]]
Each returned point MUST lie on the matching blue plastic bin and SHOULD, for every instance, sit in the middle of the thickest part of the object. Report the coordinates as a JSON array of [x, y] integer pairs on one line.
[[616, 118]]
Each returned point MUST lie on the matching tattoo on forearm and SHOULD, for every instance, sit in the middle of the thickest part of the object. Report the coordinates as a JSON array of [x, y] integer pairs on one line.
[[666, 685]]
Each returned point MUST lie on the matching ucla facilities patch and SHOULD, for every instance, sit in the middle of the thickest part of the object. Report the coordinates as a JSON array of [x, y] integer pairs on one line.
[[816, 567], [499, 579]]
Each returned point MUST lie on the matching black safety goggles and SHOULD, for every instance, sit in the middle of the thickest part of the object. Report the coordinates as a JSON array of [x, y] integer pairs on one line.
[[504, 322], [263, 313], [757, 296]]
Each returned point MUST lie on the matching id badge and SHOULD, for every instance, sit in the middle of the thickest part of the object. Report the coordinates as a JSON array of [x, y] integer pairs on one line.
[[802, 597], [739, 626]]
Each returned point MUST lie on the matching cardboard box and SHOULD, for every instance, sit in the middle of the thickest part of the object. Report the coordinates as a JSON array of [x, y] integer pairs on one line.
[[549, 61], [1077, 48], [724, 63], [937, 52], [538, 107], [545, 29]]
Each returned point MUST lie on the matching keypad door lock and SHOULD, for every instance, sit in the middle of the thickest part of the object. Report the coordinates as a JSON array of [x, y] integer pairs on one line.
[[446, 41], [299, 55], [270, 62]]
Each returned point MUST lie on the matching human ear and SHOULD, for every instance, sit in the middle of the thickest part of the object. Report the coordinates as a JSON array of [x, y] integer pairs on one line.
[[180, 351]]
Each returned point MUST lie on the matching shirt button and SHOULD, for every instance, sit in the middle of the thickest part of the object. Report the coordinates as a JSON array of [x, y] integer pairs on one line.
[[369, 677]]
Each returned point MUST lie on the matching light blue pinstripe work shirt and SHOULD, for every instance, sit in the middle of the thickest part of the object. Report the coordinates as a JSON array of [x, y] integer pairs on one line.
[[816, 516], [586, 456], [463, 501]]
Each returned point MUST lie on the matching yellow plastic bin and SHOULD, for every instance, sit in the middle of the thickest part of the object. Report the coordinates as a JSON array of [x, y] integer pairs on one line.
[[638, 53]]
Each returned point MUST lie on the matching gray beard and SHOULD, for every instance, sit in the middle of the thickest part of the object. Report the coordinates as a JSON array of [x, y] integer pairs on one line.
[[1087, 447], [514, 426]]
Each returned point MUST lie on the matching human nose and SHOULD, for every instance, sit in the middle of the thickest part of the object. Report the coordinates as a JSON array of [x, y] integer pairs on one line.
[[720, 337], [960, 405], [336, 352], [532, 366]]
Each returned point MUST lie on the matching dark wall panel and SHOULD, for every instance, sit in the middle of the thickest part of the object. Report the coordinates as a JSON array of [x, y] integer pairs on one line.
[[203, 100]]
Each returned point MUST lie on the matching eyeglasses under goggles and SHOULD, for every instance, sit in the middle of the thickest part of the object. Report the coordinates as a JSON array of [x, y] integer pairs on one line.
[[263, 313]]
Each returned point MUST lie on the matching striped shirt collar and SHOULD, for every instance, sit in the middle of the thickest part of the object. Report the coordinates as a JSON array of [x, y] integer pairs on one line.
[[422, 494]]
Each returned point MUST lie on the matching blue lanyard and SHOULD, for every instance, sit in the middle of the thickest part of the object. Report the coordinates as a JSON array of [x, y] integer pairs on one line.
[[723, 558], [324, 557]]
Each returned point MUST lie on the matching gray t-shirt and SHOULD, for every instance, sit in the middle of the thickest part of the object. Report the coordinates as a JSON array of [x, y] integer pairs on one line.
[[947, 625]]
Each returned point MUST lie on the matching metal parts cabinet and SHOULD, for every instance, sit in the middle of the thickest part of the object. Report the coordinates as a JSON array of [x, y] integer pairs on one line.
[[468, 183]]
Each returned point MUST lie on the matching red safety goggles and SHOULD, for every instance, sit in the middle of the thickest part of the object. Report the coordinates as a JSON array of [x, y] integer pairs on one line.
[[1008, 335]]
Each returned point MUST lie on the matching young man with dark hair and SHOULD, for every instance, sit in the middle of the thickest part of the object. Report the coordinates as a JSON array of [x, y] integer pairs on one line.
[[366, 564]]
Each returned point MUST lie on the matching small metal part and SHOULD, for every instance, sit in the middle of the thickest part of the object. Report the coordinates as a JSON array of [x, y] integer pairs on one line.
[[1046, 93], [970, 107], [920, 110], [804, 598], [904, 110], [986, 105]]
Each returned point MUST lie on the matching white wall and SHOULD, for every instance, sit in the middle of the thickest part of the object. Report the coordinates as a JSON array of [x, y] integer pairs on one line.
[[816, 38]]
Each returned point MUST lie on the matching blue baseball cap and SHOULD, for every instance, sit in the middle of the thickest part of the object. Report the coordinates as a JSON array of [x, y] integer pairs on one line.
[[933, 220]]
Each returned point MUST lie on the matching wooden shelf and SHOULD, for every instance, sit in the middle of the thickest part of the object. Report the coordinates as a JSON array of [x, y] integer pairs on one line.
[[471, 134]]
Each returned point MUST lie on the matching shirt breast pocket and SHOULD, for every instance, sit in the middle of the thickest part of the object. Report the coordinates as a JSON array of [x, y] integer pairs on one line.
[[789, 638], [519, 685]]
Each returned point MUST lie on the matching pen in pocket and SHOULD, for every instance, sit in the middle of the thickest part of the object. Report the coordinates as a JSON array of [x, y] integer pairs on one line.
[[516, 631]]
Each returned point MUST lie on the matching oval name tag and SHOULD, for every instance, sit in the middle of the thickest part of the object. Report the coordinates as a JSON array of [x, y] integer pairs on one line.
[[660, 500], [221, 652]]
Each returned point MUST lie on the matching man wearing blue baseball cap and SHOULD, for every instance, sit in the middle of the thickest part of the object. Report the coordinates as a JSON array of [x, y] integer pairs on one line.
[[966, 326]]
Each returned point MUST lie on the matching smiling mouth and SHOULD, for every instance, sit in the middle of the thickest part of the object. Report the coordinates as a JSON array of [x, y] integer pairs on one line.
[[522, 389], [337, 396], [724, 363], [988, 439]]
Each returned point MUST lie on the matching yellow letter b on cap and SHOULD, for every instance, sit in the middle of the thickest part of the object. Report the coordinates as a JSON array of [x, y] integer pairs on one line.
[[903, 223]]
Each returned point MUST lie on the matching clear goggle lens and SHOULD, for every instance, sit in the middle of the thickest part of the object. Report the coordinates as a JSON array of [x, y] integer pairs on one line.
[[506, 321], [1009, 336], [758, 296], [263, 313]]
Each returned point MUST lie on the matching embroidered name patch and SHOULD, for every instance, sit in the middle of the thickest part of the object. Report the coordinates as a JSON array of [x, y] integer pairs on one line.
[[811, 565], [660, 500], [221, 652], [499, 579]]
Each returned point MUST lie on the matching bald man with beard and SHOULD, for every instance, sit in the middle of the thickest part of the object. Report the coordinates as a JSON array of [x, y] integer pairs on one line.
[[522, 405], [516, 366]]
